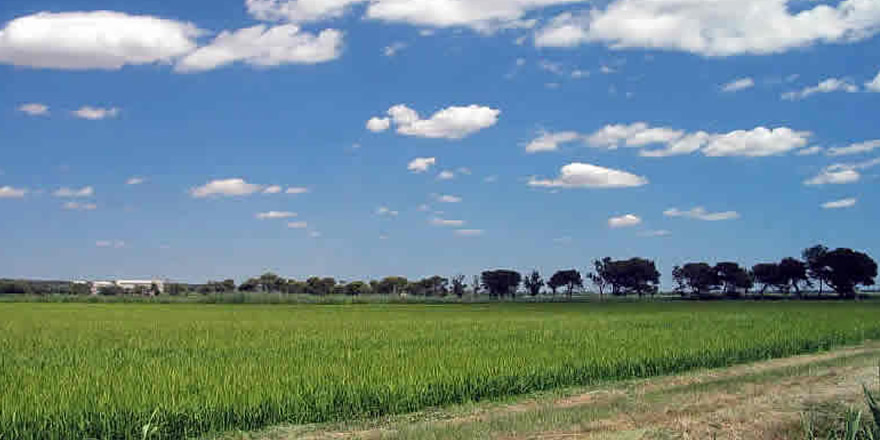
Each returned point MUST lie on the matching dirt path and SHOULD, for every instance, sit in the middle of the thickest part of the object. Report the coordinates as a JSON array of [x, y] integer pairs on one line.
[[763, 400]]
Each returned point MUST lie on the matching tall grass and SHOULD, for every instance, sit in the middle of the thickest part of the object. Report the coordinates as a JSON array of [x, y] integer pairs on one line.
[[118, 370]]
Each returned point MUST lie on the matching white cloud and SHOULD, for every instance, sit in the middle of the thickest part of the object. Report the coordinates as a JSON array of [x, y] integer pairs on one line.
[[685, 145], [225, 188], [551, 141], [385, 211], [873, 86], [811, 151], [34, 109], [8, 192], [313, 234], [469, 232], [842, 173], [446, 222], [274, 189], [655, 233], [861, 147], [624, 221], [482, 15], [393, 48], [262, 46], [738, 85], [110, 244], [638, 134], [301, 225], [94, 40], [378, 125], [421, 164], [135, 181], [448, 199], [446, 175], [827, 86], [840, 204], [296, 190], [86, 191], [76, 206], [758, 142], [272, 215], [298, 11], [700, 213], [449, 123], [95, 113], [490, 179], [715, 28], [583, 175]]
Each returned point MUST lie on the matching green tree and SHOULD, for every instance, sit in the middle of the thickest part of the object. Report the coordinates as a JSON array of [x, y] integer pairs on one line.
[[699, 278], [356, 288], [813, 257], [533, 283], [500, 283], [458, 285], [847, 269], [570, 279]]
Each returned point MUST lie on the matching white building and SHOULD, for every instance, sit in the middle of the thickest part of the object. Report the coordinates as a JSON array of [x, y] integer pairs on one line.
[[129, 285]]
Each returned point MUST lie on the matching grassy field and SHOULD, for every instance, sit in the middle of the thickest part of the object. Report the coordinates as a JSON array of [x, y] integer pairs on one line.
[[106, 370]]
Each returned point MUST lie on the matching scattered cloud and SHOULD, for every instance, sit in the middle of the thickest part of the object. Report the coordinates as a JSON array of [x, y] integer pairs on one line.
[[810, 151], [448, 199], [313, 234], [273, 189], [490, 179], [94, 40], [135, 181], [469, 232], [632, 135], [96, 113], [827, 86], [547, 141], [393, 49], [86, 191], [835, 175], [874, 85], [421, 164], [449, 123], [295, 190], [583, 175], [758, 142], [700, 213], [625, 221], [34, 109], [738, 85], [446, 222], [300, 225], [272, 215], [840, 204], [713, 29], [384, 211], [298, 11], [76, 206], [446, 175], [563, 240], [655, 233], [857, 148], [225, 188], [262, 46], [117, 244], [8, 192]]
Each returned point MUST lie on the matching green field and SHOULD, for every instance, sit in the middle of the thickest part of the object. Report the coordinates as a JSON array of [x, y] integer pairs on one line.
[[102, 370]]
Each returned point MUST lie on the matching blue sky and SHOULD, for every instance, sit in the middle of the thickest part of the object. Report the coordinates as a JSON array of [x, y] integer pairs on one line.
[[157, 138]]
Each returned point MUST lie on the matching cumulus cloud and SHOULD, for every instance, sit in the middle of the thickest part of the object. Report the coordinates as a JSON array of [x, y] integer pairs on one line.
[[583, 175], [385, 211], [86, 191], [449, 123], [295, 190], [94, 40], [738, 85], [273, 189], [842, 173], [840, 204], [873, 86], [551, 141], [135, 181], [810, 151], [624, 221], [447, 222], [225, 188], [421, 164], [95, 113], [700, 213], [298, 11], [8, 192], [857, 148], [446, 175], [76, 206], [263, 46], [827, 86], [272, 215], [714, 29], [469, 232], [34, 109], [445, 198], [638, 134], [758, 142]]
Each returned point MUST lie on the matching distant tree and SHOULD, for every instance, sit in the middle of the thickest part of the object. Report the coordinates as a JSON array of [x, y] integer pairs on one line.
[[320, 286], [176, 289], [374, 286], [295, 286], [80, 289], [793, 274], [815, 270], [356, 288], [636, 275], [699, 278], [570, 279], [766, 274], [732, 278], [475, 285], [846, 269], [555, 282], [533, 283], [599, 276], [458, 285], [250, 285], [228, 285], [500, 283], [436, 286], [110, 290], [338, 288], [392, 285], [270, 282]]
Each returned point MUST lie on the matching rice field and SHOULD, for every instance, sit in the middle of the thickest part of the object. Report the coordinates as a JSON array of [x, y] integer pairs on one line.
[[107, 370]]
